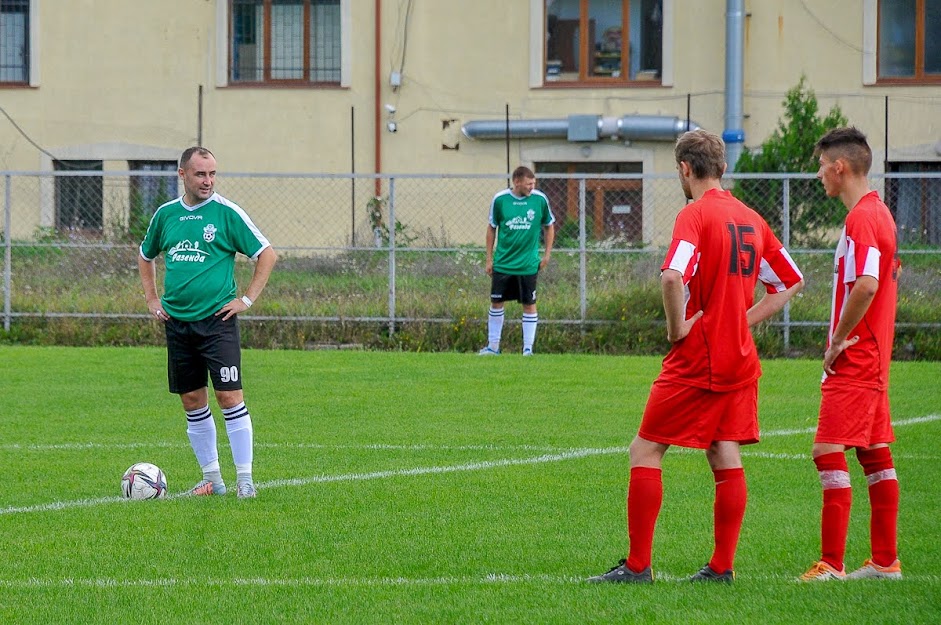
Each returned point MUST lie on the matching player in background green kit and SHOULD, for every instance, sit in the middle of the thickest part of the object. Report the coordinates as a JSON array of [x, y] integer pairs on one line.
[[517, 216], [199, 235]]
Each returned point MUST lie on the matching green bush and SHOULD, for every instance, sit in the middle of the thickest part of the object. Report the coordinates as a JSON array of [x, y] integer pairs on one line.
[[790, 149]]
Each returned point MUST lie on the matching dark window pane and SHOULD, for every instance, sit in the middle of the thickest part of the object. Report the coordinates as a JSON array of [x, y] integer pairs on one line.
[[79, 198], [148, 193], [14, 41], [247, 63], [933, 36], [897, 38]]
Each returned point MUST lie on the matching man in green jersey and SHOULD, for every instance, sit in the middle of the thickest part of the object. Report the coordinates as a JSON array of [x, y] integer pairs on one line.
[[199, 235], [517, 215]]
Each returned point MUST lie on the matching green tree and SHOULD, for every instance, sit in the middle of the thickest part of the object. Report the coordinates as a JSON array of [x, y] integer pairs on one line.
[[790, 149]]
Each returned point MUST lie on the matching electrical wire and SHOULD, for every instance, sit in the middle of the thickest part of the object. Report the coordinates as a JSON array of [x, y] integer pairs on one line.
[[26, 136], [820, 23]]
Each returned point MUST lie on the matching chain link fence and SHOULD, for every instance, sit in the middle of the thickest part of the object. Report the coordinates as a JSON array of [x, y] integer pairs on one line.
[[399, 252]]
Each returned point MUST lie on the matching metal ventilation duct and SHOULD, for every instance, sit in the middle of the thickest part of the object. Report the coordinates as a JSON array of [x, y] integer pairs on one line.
[[583, 128]]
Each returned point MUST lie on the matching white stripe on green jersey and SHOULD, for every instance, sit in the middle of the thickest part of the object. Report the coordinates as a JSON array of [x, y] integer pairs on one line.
[[517, 249], [199, 245]]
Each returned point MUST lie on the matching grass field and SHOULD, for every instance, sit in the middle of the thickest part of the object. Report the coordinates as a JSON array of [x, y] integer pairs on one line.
[[424, 488]]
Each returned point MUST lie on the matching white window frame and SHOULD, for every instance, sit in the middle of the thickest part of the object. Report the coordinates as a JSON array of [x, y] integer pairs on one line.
[[537, 46], [222, 44], [870, 39]]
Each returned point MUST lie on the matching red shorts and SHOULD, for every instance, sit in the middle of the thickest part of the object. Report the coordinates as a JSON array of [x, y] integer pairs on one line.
[[853, 416], [677, 414]]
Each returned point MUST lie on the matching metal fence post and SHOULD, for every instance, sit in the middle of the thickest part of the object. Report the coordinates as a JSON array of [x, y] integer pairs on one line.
[[582, 255], [786, 240], [391, 256], [7, 252]]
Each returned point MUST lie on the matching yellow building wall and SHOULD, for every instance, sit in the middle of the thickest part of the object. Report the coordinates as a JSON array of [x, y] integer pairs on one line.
[[122, 80]]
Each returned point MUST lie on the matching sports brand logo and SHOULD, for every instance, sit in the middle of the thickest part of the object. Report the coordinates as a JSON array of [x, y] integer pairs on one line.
[[187, 252], [209, 233]]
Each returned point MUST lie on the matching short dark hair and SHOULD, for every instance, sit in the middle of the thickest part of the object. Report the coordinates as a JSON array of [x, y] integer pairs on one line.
[[703, 151], [523, 172], [848, 143], [189, 152]]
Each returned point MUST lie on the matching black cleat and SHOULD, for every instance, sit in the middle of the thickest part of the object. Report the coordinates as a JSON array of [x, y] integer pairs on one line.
[[622, 574], [706, 574]]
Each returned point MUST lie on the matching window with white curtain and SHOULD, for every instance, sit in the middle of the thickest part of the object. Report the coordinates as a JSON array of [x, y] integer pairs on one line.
[[285, 41]]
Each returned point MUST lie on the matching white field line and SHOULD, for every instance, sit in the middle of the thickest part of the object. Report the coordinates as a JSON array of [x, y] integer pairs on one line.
[[416, 471], [368, 446], [362, 582], [899, 423], [470, 466], [382, 447], [350, 477]]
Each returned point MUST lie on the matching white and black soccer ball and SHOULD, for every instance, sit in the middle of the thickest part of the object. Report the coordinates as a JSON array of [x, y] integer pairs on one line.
[[144, 481]]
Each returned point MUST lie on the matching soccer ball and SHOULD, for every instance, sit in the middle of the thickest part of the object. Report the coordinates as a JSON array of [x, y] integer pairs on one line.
[[143, 481]]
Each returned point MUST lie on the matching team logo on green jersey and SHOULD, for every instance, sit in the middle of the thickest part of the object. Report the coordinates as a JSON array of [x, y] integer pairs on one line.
[[187, 252], [209, 233], [519, 223]]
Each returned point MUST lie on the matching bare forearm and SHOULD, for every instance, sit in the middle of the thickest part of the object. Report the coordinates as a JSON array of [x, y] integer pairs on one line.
[[491, 240], [263, 268], [674, 306], [855, 308], [148, 277], [771, 304]]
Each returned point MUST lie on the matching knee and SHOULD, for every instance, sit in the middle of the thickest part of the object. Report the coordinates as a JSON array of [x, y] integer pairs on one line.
[[229, 399], [644, 453]]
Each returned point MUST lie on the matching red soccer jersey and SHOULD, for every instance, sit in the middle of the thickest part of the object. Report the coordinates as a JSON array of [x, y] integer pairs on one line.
[[868, 247], [722, 248]]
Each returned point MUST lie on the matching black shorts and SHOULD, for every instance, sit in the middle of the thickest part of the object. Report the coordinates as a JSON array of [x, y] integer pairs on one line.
[[197, 347], [505, 288]]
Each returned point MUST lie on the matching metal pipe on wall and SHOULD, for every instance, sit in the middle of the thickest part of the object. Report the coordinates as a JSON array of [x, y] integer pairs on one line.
[[734, 135], [377, 122], [583, 128]]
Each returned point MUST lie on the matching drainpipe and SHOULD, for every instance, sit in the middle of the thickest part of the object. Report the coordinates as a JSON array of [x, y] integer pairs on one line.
[[734, 135], [377, 122]]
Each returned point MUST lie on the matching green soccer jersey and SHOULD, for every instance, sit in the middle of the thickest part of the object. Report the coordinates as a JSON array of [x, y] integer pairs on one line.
[[199, 244], [519, 222]]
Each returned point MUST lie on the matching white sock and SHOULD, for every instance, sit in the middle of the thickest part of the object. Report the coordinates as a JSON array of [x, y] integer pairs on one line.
[[238, 426], [495, 328], [201, 429], [212, 472], [529, 330]]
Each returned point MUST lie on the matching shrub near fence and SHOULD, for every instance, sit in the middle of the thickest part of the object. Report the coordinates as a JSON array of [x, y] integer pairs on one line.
[[347, 279]]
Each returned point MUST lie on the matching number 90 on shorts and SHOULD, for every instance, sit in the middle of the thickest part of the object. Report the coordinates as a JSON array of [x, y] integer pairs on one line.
[[200, 350]]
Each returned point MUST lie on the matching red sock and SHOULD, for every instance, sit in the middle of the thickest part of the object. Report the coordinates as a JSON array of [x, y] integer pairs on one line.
[[837, 501], [883, 501], [728, 511], [644, 497]]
